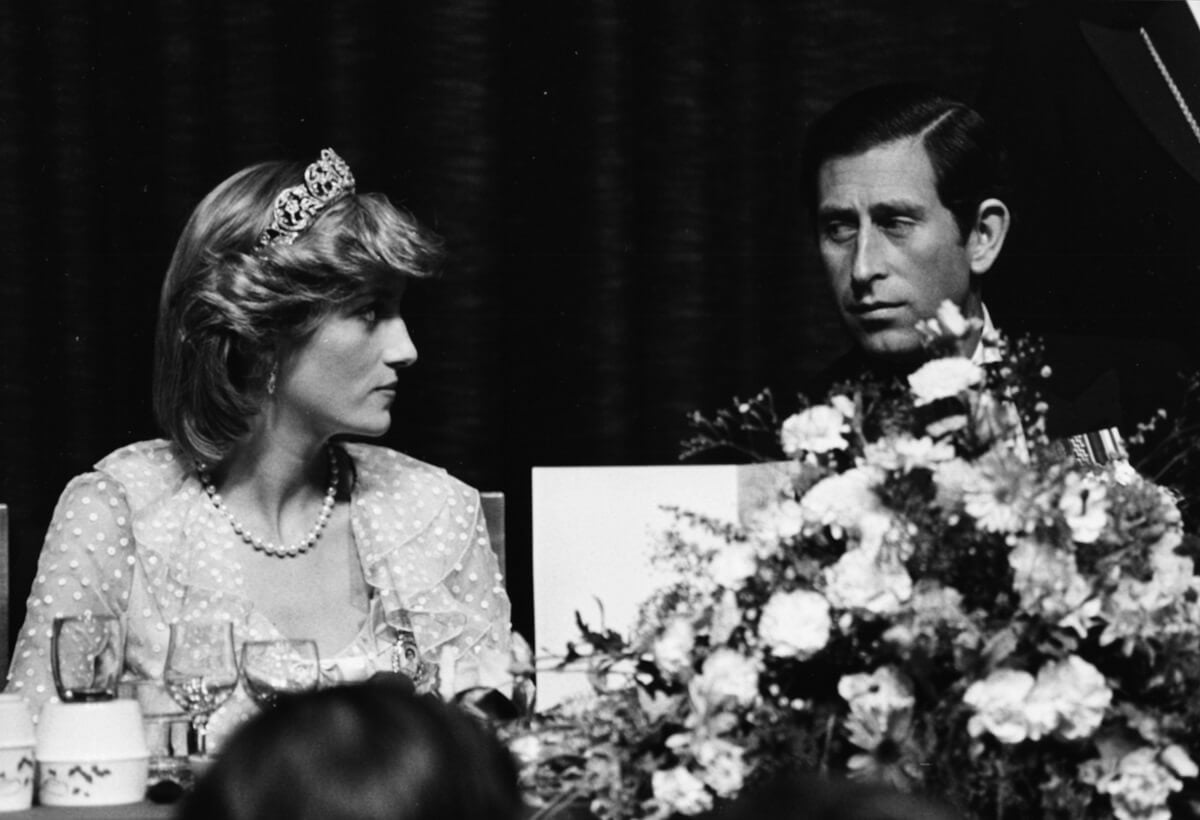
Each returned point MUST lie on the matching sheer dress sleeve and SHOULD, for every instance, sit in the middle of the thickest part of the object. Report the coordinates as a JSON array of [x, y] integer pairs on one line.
[[86, 566], [425, 549]]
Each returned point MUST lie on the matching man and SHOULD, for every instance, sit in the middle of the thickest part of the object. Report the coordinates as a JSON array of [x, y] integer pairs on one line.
[[906, 192], [897, 235]]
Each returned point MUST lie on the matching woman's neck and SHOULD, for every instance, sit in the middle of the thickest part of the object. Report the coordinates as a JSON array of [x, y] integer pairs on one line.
[[273, 475]]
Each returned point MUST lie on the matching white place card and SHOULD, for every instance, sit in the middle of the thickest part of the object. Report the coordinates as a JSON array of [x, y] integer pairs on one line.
[[594, 530]]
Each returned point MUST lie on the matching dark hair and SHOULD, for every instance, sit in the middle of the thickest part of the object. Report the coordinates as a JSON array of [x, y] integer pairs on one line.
[[367, 751], [227, 305], [967, 159]]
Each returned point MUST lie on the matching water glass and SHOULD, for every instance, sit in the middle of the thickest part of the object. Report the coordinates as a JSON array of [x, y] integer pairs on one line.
[[280, 667], [201, 671], [87, 654], [166, 727]]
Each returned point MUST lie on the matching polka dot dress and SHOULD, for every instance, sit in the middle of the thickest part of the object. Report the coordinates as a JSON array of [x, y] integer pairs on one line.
[[139, 538]]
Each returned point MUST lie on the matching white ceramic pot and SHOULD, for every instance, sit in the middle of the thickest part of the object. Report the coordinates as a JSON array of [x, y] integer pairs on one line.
[[91, 754], [16, 754]]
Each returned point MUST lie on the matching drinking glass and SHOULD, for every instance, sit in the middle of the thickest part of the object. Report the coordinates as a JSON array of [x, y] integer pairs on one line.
[[282, 667], [166, 727], [87, 653], [201, 671]]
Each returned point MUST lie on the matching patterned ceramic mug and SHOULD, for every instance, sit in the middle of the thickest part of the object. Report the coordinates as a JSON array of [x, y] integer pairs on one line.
[[16, 754]]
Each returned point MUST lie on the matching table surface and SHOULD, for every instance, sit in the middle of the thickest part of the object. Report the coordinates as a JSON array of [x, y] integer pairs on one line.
[[129, 811]]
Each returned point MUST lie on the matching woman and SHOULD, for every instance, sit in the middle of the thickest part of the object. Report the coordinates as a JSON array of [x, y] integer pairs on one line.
[[279, 329], [362, 752]]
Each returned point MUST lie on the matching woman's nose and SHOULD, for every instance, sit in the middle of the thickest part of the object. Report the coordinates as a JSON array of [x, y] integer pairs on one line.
[[399, 350]]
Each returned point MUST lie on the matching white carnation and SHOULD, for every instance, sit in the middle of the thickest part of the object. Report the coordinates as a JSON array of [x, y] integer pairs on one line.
[[723, 764], [673, 649], [1140, 787], [733, 564], [841, 499], [999, 705], [951, 319], [863, 581], [527, 749], [1070, 698], [943, 378], [906, 453], [726, 617], [780, 521], [880, 703], [1178, 761], [680, 791], [816, 429], [953, 479], [727, 675], [1049, 583], [843, 404], [795, 624]]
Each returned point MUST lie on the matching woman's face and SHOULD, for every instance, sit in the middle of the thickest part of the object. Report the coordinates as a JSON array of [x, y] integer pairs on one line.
[[342, 378]]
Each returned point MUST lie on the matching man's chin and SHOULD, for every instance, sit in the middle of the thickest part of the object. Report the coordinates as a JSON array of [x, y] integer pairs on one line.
[[894, 348]]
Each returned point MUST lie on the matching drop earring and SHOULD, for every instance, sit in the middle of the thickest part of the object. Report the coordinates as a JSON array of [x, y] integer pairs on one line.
[[271, 380]]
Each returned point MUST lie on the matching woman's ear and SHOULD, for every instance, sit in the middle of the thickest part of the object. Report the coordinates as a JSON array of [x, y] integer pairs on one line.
[[987, 235]]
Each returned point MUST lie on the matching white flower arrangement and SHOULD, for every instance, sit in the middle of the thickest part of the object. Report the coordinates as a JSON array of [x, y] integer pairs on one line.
[[940, 599]]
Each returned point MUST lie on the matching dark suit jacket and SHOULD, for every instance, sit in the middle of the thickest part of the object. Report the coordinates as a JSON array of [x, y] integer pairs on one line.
[[1106, 198], [1096, 382]]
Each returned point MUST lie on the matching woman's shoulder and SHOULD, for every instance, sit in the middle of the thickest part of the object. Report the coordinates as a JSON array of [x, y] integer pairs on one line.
[[144, 469], [382, 471]]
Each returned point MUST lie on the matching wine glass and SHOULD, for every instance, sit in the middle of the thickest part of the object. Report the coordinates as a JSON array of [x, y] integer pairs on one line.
[[87, 653], [281, 667], [201, 671]]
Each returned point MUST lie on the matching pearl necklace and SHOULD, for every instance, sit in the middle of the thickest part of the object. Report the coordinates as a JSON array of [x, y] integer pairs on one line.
[[269, 547]]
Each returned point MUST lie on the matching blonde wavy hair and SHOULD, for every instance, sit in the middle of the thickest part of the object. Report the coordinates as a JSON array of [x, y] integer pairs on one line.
[[228, 306]]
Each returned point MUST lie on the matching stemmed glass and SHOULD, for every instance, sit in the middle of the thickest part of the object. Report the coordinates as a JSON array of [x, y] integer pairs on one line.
[[281, 667], [201, 671]]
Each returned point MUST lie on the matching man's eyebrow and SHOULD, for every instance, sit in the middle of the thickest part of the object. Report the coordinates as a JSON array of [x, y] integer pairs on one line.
[[827, 212], [878, 210], [897, 207]]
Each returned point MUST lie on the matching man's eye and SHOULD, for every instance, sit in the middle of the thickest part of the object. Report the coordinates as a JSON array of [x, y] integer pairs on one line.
[[897, 226], [838, 231], [369, 313]]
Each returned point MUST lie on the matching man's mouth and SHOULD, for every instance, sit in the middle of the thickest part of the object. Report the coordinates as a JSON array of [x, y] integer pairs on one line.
[[874, 308]]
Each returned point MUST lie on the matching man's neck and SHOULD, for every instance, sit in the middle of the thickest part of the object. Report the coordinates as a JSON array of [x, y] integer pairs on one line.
[[982, 354]]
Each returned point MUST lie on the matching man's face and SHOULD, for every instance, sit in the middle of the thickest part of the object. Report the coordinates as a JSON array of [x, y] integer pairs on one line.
[[891, 249]]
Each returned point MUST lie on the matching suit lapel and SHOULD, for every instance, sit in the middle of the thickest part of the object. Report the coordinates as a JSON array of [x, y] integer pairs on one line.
[[1133, 71]]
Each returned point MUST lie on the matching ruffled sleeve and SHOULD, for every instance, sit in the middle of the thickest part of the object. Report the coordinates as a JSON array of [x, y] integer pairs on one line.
[[86, 566], [424, 549]]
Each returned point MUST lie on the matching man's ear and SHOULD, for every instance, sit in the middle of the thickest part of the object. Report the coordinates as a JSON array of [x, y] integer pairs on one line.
[[987, 235]]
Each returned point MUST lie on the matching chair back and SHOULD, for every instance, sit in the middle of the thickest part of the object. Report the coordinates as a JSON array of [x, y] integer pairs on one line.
[[492, 504], [4, 584]]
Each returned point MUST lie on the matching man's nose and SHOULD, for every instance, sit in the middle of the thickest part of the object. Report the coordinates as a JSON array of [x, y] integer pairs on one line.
[[868, 260], [399, 350]]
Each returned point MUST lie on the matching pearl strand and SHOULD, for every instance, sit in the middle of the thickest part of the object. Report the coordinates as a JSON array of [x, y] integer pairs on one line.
[[269, 547]]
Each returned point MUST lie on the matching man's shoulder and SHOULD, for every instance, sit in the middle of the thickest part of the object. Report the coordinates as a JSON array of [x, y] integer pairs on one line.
[[852, 365], [1098, 382]]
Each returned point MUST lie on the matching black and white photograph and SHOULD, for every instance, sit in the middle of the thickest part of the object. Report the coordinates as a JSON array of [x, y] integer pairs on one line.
[[607, 410]]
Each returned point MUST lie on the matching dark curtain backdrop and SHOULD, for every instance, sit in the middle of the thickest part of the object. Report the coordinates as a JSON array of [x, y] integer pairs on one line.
[[614, 181]]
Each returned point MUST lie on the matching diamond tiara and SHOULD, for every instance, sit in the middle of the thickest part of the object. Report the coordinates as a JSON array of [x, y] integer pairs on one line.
[[325, 180]]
